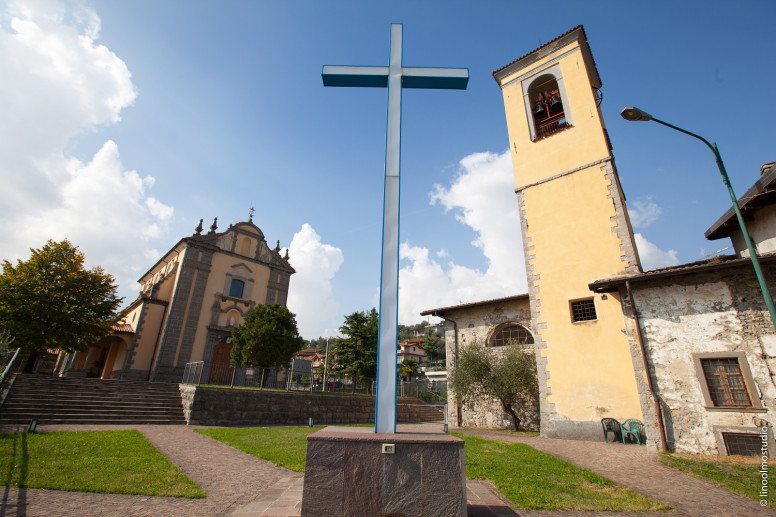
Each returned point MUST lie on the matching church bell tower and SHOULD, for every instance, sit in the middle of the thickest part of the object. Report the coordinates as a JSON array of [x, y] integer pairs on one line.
[[575, 230]]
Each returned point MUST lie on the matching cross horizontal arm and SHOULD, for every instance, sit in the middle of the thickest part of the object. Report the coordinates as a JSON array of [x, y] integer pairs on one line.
[[435, 78], [369, 76]]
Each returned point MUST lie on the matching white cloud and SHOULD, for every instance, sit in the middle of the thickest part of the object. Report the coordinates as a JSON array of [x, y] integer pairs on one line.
[[58, 83], [482, 197], [644, 212], [653, 257], [310, 295]]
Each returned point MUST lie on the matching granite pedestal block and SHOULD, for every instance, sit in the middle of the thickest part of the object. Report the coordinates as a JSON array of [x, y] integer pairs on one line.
[[348, 473]]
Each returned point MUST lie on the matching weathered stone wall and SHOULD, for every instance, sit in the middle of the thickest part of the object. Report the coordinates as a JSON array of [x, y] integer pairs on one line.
[[475, 325], [234, 407], [719, 311]]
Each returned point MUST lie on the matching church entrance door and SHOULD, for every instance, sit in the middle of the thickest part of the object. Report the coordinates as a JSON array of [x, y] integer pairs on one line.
[[220, 370]]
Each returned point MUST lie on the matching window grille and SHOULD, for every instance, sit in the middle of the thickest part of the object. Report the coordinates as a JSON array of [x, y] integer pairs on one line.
[[743, 444], [583, 310], [725, 382], [517, 333]]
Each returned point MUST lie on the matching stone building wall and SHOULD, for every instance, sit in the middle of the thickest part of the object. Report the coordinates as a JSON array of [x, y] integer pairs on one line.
[[719, 312], [476, 323]]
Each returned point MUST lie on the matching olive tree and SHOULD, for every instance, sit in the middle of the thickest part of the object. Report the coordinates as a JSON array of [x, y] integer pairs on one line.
[[506, 374]]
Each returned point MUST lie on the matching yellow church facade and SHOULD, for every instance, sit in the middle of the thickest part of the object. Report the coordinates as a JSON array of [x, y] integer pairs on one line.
[[189, 301], [575, 227]]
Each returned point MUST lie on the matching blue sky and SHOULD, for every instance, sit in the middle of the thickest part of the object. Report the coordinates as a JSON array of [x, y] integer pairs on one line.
[[124, 123]]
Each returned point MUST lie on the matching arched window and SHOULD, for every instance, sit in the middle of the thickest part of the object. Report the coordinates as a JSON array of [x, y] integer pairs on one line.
[[546, 105], [236, 288], [513, 331]]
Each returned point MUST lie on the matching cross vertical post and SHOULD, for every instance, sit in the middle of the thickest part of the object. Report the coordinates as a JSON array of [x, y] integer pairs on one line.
[[394, 77]]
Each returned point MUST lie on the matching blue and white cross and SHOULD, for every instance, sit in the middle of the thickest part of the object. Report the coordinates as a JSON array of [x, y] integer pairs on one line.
[[395, 77]]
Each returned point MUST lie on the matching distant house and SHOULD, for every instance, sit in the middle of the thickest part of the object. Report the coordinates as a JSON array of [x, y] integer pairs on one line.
[[412, 349], [315, 355]]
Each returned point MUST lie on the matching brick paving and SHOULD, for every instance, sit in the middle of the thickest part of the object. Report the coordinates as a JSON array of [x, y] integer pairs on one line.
[[244, 486]]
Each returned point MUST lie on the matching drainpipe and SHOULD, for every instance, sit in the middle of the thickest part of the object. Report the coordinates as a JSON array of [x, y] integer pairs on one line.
[[640, 339]]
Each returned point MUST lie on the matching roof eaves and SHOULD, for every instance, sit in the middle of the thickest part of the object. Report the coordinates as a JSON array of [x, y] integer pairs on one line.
[[440, 310], [577, 32], [764, 187], [727, 261]]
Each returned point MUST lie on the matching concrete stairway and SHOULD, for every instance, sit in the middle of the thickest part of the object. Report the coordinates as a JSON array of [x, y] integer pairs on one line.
[[53, 400], [418, 412]]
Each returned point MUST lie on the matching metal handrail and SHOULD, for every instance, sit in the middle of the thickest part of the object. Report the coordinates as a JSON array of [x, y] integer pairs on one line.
[[8, 367]]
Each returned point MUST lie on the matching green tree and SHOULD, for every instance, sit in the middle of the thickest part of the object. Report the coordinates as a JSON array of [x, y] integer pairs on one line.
[[434, 344], [52, 302], [506, 374], [408, 367], [268, 337], [356, 352]]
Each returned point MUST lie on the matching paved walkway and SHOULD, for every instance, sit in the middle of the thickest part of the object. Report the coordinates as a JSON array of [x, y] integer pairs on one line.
[[239, 484]]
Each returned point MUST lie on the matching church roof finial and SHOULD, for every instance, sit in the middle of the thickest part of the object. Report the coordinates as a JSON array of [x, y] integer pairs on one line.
[[214, 226], [198, 229], [251, 211], [277, 247], [286, 257]]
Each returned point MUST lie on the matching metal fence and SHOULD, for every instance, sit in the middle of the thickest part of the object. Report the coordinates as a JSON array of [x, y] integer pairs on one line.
[[300, 377]]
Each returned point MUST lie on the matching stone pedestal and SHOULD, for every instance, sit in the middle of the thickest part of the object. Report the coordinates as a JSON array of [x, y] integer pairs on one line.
[[351, 472]]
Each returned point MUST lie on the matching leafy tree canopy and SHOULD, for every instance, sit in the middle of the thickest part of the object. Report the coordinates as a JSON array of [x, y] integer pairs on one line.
[[267, 337], [52, 302], [434, 344], [319, 342], [408, 331], [507, 374], [356, 352]]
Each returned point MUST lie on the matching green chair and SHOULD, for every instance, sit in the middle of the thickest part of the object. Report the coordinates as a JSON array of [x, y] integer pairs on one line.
[[631, 427], [611, 425]]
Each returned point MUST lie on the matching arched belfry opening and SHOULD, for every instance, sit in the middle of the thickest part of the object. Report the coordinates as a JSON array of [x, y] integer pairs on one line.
[[546, 104]]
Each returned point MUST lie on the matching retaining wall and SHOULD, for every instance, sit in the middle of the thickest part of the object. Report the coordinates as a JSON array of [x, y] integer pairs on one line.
[[237, 407]]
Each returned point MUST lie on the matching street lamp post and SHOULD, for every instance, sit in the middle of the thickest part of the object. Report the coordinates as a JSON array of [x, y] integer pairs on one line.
[[635, 114]]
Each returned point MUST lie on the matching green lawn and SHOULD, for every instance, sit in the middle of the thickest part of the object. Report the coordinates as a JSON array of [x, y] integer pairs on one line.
[[534, 480], [284, 446], [112, 462], [735, 473]]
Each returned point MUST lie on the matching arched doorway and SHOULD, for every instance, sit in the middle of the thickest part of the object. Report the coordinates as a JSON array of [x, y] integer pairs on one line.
[[220, 370]]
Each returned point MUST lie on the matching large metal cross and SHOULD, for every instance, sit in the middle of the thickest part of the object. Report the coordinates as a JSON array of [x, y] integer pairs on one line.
[[395, 77]]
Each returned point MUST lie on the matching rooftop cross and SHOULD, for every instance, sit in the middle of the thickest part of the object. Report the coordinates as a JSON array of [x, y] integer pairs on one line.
[[395, 77]]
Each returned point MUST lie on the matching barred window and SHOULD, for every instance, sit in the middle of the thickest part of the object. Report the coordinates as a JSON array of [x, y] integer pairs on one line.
[[583, 310], [743, 444], [511, 331], [725, 382]]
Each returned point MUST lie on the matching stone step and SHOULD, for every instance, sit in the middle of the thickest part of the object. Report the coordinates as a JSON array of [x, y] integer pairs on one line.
[[61, 408], [53, 400], [91, 420], [74, 396]]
